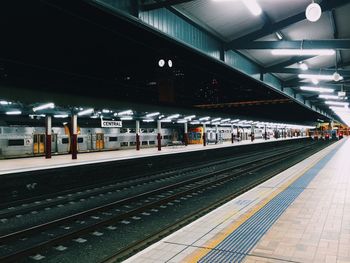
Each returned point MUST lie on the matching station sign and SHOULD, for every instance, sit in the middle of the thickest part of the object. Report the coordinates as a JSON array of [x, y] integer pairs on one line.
[[111, 124]]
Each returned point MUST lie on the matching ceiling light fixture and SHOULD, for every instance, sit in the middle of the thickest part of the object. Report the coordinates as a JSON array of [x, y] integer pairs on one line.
[[313, 12], [337, 103], [328, 97], [303, 66], [14, 112], [317, 89], [152, 114], [302, 52], [253, 7], [85, 112], [279, 35], [44, 106], [318, 77]]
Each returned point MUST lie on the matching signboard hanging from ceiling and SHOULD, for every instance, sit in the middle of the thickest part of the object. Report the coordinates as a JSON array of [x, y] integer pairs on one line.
[[111, 124]]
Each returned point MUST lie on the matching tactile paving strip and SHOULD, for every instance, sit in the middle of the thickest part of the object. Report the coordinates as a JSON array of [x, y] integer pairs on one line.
[[237, 245]]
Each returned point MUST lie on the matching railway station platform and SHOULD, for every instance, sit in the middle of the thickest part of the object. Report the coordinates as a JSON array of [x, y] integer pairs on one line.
[[8, 166], [300, 215]]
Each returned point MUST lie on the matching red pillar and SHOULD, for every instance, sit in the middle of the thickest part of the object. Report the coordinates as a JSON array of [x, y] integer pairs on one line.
[[137, 135], [48, 126], [204, 136], [74, 136], [159, 135], [186, 133]]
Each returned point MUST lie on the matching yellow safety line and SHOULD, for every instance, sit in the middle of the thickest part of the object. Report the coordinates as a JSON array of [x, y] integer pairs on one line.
[[206, 248]]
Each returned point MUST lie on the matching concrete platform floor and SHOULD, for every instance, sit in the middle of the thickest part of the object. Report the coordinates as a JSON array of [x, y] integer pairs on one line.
[[313, 227]]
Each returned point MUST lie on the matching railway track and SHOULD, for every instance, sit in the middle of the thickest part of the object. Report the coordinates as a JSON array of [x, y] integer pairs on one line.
[[25, 242]]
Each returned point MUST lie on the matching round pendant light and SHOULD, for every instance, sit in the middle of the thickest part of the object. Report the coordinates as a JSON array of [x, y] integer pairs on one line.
[[313, 12]]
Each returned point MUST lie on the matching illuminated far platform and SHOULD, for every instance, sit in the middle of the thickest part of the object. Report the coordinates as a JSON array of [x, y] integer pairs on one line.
[[300, 215], [8, 166]]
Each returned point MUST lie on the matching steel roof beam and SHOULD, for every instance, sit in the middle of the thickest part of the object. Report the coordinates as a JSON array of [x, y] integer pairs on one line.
[[295, 44], [311, 71], [289, 62], [267, 30], [161, 4]]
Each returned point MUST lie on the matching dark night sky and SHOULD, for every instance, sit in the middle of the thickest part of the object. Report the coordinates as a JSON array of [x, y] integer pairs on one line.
[[78, 49]]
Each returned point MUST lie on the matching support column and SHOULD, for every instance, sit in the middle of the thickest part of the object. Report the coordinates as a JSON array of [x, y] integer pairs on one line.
[[232, 135], [48, 127], [159, 135], [137, 135], [265, 133], [186, 133], [252, 133], [238, 133], [204, 136], [74, 140], [216, 134]]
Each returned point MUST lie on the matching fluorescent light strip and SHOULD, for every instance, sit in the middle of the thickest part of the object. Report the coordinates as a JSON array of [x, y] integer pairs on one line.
[[253, 6], [204, 118], [174, 116], [337, 103], [215, 120], [152, 114], [331, 97], [148, 120], [126, 118], [4, 102], [318, 77], [190, 117], [60, 116], [317, 89], [85, 112], [126, 112], [44, 106], [14, 112], [302, 52]]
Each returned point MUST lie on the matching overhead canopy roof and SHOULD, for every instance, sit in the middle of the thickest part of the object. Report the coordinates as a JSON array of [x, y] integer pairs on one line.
[[256, 36]]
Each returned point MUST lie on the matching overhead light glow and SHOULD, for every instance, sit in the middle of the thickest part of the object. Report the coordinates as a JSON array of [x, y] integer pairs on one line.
[[106, 111], [126, 118], [44, 106], [279, 35], [170, 63], [126, 112], [253, 7], [341, 93], [60, 116], [302, 52], [303, 66], [215, 120], [236, 120], [328, 97], [315, 81], [161, 63], [152, 114], [336, 76], [318, 77], [174, 116], [337, 103], [204, 118], [4, 102], [14, 112], [182, 121], [225, 120], [166, 120], [148, 120], [190, 117], [313, 12], [85, 112]]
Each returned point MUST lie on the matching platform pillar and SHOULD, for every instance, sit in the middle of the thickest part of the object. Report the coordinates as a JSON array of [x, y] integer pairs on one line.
[[186, 133], [204, 136], [137, 135], [238, 133], [252, 133], [232, 135], [216, 134], [74, 141], [159, 135], [48, 127]]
